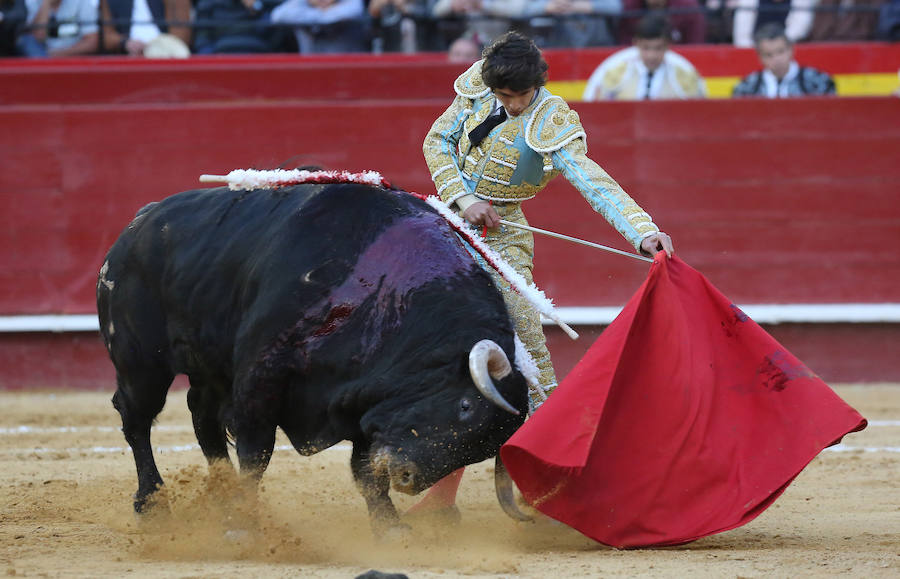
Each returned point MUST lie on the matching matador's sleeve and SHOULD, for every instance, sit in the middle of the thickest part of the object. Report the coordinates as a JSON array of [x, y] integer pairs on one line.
[[605, 196], [440, 149], [556, 131]]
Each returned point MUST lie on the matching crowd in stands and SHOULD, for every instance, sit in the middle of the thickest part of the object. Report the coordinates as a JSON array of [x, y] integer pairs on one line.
[[39, 28], [647, 68]]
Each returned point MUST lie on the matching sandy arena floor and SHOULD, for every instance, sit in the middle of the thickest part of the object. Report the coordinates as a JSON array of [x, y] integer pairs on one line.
[[66, 479]]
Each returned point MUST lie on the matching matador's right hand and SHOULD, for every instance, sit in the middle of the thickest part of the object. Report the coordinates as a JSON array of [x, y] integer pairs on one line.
[[481, 213]]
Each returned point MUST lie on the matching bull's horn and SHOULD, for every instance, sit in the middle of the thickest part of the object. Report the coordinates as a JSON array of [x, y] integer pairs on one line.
[[488, 360], [504, 486]]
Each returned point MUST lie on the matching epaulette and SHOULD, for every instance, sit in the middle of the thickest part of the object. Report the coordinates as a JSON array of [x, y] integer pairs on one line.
[[552, 126], [469, 84], [687, 80], [614, 76]]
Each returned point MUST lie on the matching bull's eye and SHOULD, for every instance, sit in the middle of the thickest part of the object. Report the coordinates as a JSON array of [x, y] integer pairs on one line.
[[465, 408]]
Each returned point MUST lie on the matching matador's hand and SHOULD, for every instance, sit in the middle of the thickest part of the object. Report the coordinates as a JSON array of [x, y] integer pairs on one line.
[[657, 242], [481, 213]]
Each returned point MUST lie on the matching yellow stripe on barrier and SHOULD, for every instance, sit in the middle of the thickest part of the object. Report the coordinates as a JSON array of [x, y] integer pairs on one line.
[[881, 84], [720, 87]]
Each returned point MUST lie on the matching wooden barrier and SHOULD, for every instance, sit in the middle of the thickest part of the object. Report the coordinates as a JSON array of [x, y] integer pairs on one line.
[[774, 201], [861, 69]]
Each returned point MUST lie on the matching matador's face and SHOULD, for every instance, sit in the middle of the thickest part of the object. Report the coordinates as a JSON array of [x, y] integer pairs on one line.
[[514, 101]]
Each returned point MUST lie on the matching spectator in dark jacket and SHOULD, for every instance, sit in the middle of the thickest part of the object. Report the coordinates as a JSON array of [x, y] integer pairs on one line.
[[239, 26], [12, 20], [782, 76]]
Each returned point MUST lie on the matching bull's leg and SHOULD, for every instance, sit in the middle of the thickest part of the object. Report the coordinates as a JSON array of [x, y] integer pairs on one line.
[[375, 490], [256, 406], [254, 449], [254, 437], [139, 399], [205, 404]]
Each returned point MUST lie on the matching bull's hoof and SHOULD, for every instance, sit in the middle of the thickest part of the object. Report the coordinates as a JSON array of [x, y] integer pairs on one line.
[[154, 502]]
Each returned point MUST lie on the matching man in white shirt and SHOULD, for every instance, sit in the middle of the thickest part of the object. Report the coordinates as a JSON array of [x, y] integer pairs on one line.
[[796, 16], [61, 28], [647, 70]]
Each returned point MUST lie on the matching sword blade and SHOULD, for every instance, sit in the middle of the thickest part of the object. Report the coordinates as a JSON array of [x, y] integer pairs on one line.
[[575, 240]]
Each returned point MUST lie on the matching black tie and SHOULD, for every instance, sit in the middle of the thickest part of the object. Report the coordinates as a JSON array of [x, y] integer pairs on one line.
[[478, 134], [649, 80]]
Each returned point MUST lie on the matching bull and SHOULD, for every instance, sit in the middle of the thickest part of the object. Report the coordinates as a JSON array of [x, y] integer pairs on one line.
[[332, 311]]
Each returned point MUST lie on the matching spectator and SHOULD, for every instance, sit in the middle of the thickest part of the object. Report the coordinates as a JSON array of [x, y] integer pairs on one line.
[[482, 19], [845, 20], [782, 76], [238, 26], [464, 49], [395, 24], [796, 16], [719, 16], [13, 15], [61, 28], [574, 23], [889, 21], [647, 70], [686, 17], [326, 26], [137, 23]]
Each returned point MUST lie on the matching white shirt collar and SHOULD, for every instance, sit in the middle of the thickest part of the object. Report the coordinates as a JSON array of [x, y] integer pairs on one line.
[[776, 89], [656, 81]]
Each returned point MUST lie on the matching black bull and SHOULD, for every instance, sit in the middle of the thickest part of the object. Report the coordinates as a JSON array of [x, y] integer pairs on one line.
[[335, 312]]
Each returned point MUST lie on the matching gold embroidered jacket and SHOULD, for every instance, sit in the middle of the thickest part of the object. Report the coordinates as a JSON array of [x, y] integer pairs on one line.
[[521, 155]]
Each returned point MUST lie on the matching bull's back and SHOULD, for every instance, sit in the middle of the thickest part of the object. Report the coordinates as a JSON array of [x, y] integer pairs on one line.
[[199, 271]]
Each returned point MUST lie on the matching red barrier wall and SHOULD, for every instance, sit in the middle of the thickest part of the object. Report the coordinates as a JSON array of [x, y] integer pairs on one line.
[[328, 78], [836, 352], [774, 201]]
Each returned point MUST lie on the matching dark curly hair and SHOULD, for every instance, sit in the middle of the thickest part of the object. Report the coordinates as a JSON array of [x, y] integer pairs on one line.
[[513, 61], [653, 26]]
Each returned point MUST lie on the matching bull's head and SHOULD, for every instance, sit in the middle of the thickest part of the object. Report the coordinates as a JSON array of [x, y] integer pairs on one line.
[[464, 420], [454, 427]]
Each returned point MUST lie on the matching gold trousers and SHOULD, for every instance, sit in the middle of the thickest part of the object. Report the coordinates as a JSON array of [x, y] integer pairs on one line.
[[516, 246]]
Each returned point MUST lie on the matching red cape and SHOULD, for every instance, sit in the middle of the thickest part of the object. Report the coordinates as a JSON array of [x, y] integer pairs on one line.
[[684, 419]]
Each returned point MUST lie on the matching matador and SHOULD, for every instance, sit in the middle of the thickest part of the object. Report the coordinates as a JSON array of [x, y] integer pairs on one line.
[[504, 137]]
